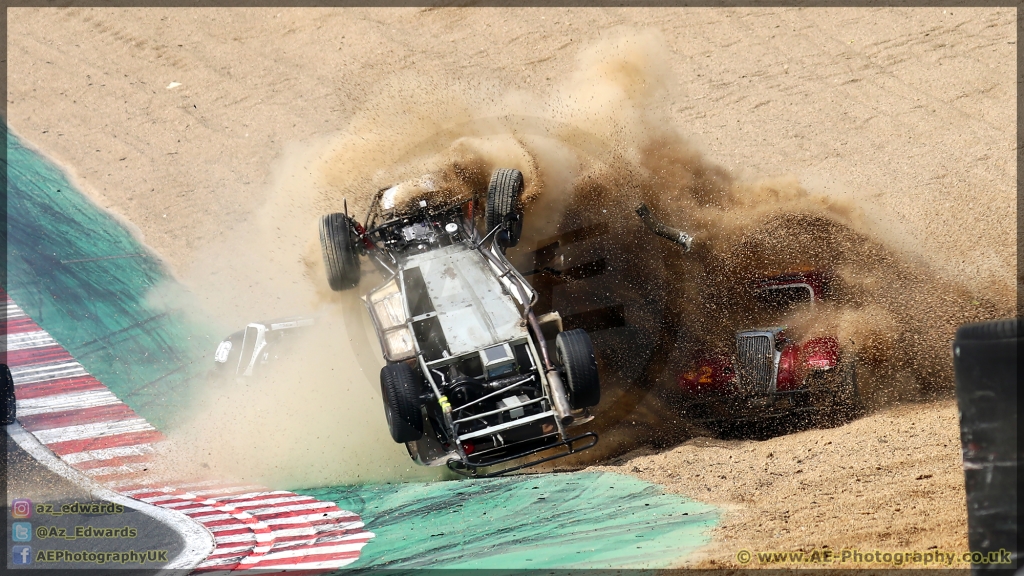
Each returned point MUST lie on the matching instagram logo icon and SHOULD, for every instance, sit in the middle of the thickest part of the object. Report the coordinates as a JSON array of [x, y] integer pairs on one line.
[[21, 508]]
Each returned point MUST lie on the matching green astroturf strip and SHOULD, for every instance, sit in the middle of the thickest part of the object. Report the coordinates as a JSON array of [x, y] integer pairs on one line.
[[587, 520], [83, 277]]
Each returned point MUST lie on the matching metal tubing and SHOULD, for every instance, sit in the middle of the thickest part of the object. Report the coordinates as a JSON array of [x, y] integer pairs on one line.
[[430, 380], [559, 399], [667, 232], [496, 392], [506, 426], [471, 469], [524, 291], [532, 319], [498, 411], [489, 234]]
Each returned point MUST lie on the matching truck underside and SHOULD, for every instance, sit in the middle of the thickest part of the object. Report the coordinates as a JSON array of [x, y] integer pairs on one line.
[[477, 388]]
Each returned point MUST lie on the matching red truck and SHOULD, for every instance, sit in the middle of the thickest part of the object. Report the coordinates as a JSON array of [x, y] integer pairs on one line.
[[765, 372]]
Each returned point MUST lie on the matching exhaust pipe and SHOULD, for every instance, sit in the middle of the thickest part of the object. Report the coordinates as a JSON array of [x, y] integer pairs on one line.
[[667, 232], [559, 398]]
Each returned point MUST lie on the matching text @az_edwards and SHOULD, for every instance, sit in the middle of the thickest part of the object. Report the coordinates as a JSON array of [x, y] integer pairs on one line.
[[84, 532], [892, 558]]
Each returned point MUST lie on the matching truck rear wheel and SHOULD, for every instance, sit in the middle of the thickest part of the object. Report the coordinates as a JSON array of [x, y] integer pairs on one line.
[[337, 241], [576, 355], [504, 203], [400, 390]]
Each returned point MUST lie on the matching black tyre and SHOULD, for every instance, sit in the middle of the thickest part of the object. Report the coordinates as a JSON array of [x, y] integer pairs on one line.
[[985, 364], [576, 355], [834, 394], [849, 403], [337, 240], [504, 202], [400, 389], [9, 406]]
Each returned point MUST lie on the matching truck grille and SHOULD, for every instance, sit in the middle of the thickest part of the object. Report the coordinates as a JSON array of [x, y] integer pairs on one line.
[[755, 357]]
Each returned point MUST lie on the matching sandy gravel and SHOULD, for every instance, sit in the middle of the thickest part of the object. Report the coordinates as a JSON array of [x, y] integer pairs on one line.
[[890, 481], [909, 111]]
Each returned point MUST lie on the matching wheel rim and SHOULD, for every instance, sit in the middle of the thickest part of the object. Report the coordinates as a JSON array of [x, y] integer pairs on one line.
[[568, 376], [387, 407]]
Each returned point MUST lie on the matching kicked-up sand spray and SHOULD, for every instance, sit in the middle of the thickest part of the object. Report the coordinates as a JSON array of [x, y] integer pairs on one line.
[[591, 152]]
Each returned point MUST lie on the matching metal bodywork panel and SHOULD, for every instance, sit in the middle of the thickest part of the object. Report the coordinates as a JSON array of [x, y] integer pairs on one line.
[[473, 309]]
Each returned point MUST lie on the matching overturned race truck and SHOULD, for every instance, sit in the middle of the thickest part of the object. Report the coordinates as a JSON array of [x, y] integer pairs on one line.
[[474, 379]]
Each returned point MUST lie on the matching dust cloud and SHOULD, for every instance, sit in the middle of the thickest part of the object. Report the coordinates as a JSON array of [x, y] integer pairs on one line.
[[306, 418], [311, 416], [591, 151], [607, 144]]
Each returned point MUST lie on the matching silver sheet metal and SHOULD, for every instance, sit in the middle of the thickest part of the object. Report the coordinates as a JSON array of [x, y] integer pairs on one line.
[[473, 309]]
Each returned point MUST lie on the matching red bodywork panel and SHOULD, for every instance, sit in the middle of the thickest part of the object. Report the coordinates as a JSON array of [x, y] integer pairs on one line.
[[712, 376], [716, 376], [820, 353], [790, 374]]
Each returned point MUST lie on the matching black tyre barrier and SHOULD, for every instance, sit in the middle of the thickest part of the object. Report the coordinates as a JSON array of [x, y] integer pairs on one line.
[[985, 364], [8, 407]]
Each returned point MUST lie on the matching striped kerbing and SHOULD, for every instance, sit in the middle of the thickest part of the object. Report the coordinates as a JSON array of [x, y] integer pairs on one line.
[[85, 424]]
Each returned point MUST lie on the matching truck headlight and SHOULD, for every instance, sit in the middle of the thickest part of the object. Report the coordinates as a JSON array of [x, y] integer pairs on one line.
[[387, 306], [388, 309], [398, 344]]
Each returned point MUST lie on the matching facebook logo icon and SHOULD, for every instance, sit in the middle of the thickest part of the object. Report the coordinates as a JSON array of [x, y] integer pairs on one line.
[[21, 555]]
